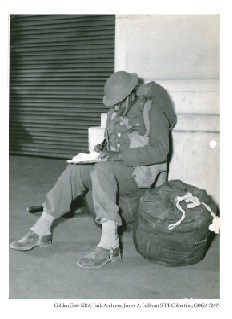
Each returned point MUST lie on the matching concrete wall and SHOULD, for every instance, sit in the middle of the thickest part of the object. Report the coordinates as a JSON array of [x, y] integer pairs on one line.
[[182, 54], [167, 46]]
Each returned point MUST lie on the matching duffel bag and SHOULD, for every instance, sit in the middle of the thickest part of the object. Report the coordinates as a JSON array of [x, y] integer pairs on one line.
[[174, 223]]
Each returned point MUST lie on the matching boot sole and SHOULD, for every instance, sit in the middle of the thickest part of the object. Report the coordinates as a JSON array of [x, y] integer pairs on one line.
[[118, 258], [30, 248]]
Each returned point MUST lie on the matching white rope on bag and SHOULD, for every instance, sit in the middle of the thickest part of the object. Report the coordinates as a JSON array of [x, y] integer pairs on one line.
[[179, 199], [193, 201], [215, 226], [209, 209]]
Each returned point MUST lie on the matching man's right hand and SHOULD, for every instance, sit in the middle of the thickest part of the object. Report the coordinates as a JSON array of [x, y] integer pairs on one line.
[[98, 148]]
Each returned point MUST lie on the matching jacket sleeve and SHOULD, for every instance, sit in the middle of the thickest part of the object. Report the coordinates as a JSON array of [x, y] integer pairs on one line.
[[157, 149]]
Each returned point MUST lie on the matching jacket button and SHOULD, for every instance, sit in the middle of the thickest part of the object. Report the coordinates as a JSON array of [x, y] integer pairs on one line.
[[118, 145], [119, 134]]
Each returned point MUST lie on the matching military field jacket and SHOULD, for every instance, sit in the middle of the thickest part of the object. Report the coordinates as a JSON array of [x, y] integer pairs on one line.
[[118, 130]]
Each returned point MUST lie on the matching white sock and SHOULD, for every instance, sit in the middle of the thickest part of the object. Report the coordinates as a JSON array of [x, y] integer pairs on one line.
[[109, 237], [43, 225]]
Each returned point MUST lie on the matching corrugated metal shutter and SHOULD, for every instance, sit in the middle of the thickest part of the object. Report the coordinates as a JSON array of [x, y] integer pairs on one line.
[[59, 64]]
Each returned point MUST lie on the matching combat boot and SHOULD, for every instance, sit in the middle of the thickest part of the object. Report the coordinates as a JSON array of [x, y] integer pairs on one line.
[[31, 240], [99, 257]]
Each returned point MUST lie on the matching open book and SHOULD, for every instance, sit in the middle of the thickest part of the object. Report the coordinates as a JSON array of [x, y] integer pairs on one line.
[[91, 157]]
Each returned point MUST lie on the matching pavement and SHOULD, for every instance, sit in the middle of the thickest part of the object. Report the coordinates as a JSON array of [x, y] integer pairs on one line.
[[52, 272]]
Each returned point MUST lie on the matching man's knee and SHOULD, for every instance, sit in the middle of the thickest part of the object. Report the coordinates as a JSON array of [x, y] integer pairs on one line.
[[70, 169], [73, 171], [77, 168], [102, 167]]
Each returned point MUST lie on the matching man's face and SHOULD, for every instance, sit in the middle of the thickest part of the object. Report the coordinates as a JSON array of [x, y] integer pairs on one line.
[[123, 107]]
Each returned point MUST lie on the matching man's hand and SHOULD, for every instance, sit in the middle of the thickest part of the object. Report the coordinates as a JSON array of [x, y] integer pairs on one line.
[[98, 148], [111, 155]]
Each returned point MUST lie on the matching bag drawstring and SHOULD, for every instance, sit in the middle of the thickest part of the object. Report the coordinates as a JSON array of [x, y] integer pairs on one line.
[[193, 201]]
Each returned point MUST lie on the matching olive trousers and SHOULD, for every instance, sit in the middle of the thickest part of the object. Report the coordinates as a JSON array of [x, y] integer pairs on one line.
[[108, 180]]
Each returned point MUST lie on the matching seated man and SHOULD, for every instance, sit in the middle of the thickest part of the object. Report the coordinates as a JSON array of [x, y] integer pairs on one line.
[[136, 147]]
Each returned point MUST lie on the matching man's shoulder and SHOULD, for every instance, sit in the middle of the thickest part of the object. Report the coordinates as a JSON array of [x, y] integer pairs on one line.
[[145, 89]]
